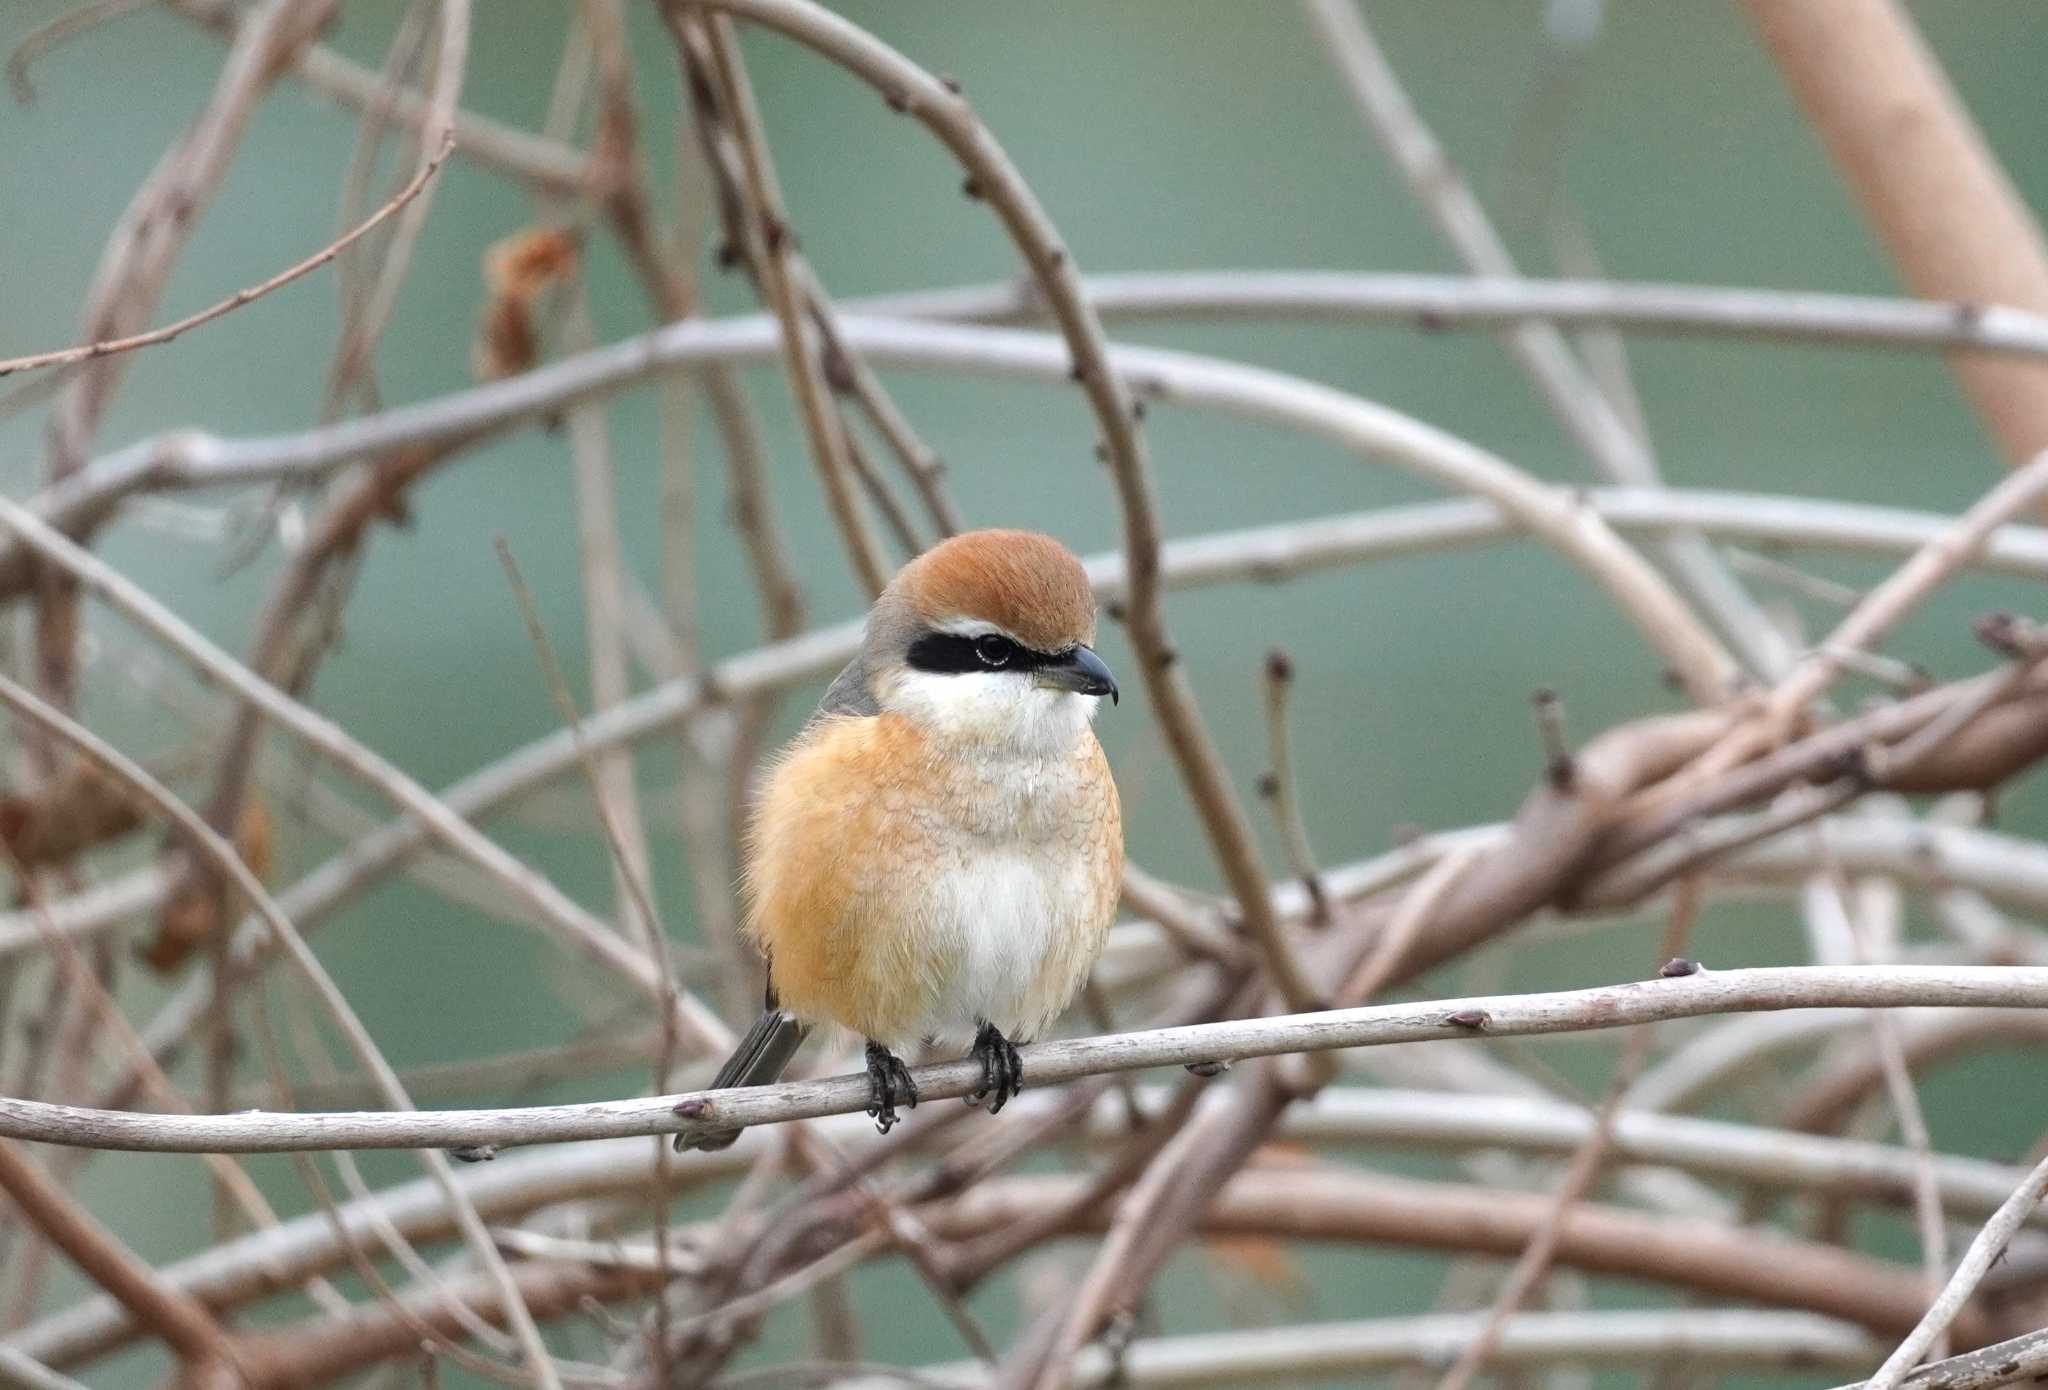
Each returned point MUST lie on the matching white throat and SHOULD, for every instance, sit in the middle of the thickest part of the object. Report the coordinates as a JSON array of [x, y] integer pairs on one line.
[[992, 710]]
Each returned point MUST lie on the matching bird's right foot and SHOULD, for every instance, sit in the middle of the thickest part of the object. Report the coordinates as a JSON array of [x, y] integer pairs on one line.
[[889, 1085]]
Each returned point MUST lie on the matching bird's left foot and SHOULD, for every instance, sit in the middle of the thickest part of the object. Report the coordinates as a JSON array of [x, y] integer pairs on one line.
[[1002, 1070], [889, 1085]]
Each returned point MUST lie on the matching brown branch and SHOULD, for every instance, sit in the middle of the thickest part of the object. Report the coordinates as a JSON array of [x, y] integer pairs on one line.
[[185, 1326], [1281, 787], [320, 1352], [1584, 1169], [1326, 1204], [1827, 1101], [106, 347], [1928, 183], [136, 264], [757, 226]]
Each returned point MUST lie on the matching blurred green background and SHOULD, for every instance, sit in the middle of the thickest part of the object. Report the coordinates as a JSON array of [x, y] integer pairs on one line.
[[1160, 135]]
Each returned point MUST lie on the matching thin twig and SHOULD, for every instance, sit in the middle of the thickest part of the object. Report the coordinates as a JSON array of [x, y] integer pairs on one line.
[[1581, 1173], [1983, 1253], [1885, 606], [1829, 895], [107, 1016], [576, 925], [108, 346], [1573, 395], [545, 164], [1281, 786], [223, 857], [710, 54], [642, 913]]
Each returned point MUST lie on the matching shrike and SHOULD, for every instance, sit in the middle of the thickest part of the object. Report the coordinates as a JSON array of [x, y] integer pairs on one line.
[[937, 855]]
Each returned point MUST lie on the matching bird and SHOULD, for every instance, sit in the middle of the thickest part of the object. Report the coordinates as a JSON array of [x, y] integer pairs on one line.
[[936, 857]]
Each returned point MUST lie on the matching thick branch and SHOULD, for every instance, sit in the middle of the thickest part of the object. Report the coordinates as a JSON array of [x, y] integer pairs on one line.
[[1929, 184]]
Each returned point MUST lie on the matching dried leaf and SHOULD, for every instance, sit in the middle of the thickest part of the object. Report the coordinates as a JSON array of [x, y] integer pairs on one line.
[[1262, 1259], [82, 809], [518, 270], [201, 906]]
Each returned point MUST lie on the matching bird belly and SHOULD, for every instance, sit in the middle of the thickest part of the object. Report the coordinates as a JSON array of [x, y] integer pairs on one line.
[[907, 897], [1013, 935]]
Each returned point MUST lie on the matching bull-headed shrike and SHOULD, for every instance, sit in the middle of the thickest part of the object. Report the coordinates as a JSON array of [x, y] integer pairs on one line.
[[937, 856]]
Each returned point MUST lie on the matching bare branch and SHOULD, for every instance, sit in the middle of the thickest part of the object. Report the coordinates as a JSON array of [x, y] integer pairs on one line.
[[1433, 302], [1700, 1338], [186, 1327], [108, 346], [1787, 987], [1984, 1252], [1572, 394], [222, 857], [1884, 607], [1928, 182], [576, 925]]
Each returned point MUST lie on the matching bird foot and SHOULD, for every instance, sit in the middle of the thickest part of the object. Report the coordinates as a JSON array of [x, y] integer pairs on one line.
[[1002, 1070], [889, 1085]]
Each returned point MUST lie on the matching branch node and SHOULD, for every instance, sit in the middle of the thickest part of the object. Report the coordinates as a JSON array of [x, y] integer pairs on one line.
[[2002, 631], [1558, 766]]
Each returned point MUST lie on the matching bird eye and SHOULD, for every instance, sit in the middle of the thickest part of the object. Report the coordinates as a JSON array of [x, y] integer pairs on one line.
[[994, 650]]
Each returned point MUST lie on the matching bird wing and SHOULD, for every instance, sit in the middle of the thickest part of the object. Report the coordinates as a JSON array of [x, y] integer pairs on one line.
[[848, 694]]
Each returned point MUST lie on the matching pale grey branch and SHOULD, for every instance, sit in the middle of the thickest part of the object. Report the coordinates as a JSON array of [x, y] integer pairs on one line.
[[1610, 1006]]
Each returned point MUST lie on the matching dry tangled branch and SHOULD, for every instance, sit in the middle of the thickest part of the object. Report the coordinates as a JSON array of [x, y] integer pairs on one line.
[[1304, 1006]]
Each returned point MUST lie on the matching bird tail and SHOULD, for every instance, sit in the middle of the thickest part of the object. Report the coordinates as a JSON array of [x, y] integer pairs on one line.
[[758, 1060]]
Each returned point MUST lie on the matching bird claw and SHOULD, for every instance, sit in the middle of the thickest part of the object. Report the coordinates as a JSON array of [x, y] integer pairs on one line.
[[889, 1085], [1002, 1070]]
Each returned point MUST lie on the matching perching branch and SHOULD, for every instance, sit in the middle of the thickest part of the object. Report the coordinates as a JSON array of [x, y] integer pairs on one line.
[[1610, 1006]]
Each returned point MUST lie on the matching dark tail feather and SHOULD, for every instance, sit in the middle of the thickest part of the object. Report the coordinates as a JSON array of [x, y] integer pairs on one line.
[[758, 1060]]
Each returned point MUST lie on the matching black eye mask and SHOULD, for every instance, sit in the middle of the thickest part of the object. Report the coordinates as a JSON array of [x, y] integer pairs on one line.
[[949, 653]]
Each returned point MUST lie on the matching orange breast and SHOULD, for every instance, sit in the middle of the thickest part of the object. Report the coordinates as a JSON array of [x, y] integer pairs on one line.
[[858, 822]]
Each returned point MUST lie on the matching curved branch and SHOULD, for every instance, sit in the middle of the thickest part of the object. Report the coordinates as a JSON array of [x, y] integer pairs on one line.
[[573, 924], [1434, 302]]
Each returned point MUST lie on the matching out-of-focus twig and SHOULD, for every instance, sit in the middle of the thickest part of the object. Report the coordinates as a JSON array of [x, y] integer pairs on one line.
[[1928, 182], [183, 1323], [1280, 785], [1984, 1251], [224, 858], [1566, 387], [106, 347]]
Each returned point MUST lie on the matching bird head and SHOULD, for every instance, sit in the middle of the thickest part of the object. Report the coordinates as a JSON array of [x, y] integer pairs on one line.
[[985, 638]]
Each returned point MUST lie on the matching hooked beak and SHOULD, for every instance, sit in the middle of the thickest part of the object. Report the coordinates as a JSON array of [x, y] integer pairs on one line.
[[1080, 671]]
